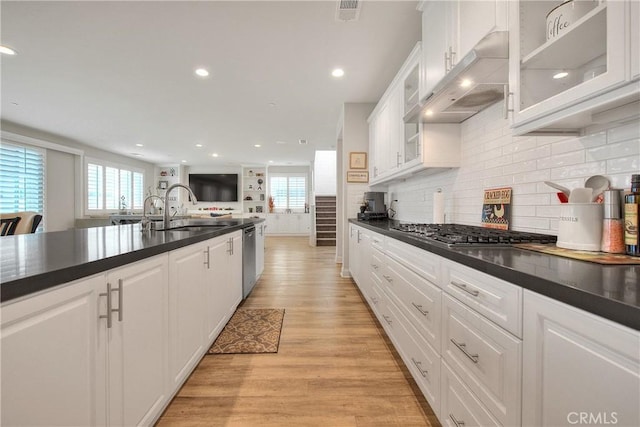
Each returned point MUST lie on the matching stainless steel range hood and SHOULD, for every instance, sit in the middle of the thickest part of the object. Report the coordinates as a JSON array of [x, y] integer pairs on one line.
[[476, 82]]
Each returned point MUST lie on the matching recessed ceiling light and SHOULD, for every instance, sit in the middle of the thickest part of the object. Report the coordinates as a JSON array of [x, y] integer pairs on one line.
[[198, 145], [272, 104], [428, 113], [270, 161], [338, 72], [139, 145], [184, 161], [465, 83], [560, 75], [136, 154], [257, 145], [214, 155], [202, 72], [7, 50], [281, 142]]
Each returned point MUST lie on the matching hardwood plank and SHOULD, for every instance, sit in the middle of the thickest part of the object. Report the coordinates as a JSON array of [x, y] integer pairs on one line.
[[334, 367]]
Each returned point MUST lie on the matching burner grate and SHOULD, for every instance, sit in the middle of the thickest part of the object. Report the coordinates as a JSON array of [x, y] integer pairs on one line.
[[457, 234]]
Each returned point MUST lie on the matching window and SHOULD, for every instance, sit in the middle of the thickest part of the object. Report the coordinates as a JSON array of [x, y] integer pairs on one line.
[[21, 178], [289, 191], [111, 187]]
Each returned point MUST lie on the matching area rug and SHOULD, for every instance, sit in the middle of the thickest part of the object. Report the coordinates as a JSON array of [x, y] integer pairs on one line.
[[250, 330]]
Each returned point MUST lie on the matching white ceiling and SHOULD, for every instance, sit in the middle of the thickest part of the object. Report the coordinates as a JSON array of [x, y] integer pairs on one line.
[[116, 74]]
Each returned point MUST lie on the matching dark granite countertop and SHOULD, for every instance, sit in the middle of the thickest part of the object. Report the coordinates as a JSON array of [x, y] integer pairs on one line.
[[34, 262], [609, 291]]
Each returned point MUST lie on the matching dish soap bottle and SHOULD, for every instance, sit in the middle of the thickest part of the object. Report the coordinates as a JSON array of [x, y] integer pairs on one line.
[[631, 214]]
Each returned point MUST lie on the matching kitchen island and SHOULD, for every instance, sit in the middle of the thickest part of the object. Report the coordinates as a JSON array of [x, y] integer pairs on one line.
[[102, 326]]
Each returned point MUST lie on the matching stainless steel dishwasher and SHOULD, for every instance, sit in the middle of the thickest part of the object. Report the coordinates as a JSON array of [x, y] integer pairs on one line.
[[248, 260]]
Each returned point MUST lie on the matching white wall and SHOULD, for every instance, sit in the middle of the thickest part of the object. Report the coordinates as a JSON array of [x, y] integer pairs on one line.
[[325, 173], [492, 157], [355, 137]]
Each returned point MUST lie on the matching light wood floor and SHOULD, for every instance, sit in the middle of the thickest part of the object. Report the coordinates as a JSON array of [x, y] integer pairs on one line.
[[335, 366]]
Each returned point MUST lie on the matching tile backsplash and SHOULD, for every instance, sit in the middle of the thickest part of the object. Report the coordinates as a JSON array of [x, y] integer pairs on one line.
[[492, 157]]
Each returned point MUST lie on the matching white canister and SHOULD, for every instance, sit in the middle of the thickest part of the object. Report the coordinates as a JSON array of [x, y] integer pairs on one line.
[[580, 226], [560, 18]]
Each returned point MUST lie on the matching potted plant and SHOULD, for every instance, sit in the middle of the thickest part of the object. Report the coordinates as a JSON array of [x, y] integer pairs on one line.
[[272, 205]]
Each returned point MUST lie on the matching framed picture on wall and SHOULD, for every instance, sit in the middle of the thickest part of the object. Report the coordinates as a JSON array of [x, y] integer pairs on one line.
[[357, 160], [357, 176], [163, 185]]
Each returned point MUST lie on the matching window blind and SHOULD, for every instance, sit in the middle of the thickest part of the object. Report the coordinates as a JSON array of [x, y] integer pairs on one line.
[[288, 192], [21, 178], [110, 188]]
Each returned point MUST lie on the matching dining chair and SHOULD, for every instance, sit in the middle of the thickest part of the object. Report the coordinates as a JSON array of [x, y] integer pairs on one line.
[[8, 226], [27, 223]]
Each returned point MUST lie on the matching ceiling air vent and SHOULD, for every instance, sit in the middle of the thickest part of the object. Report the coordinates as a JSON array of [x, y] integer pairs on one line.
[[302, 141], [348, 10]]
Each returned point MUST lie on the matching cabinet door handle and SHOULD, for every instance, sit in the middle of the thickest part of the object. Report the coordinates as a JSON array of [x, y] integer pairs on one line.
[[358, 236], [456, 422], [463, 287], [452, 61], [446, 62], [505, 107], [108, 315], [419, 366], [420, 309], [463, 348], [207, 262], [230, 246], [398, 159], [387, 319], [119, 290]]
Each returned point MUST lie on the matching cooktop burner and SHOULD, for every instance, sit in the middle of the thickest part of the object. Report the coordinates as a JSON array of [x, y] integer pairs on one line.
[[467, 235]]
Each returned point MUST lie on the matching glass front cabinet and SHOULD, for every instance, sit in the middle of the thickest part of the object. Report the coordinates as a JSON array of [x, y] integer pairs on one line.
[[571, 61]]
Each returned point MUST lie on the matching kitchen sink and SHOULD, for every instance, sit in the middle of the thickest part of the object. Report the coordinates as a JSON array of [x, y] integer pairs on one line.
[[192, 224]]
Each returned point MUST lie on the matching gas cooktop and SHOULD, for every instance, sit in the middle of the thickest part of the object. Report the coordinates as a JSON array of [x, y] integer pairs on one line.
[[455, 235]]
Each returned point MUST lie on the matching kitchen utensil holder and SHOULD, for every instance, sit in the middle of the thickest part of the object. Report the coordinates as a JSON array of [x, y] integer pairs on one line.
[[580, 226]]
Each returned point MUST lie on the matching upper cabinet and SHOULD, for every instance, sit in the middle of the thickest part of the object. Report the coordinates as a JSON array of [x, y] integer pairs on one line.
[[450, 30], [571, 63]]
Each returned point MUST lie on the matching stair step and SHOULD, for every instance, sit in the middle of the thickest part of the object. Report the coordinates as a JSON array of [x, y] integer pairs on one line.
[[325, 242], [325, 235], [325, 214], [326, 227]]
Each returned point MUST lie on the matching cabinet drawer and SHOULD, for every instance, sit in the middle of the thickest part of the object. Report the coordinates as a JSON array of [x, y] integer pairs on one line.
[[420, 358], [495, 299], [378, 241], [458, 406], [485, 357], [419, 300], [421, 262]]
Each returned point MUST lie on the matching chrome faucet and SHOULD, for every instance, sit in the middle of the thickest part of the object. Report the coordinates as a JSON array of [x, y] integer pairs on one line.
[[166, 216], [145, 222]]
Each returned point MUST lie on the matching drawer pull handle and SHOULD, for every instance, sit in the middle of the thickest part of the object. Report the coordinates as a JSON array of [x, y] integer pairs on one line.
[[374, 299], [463, 348], [420, 309], [374, 266], [456, 422], [389, 279], [418, 365], [464, 288], [387, 319]]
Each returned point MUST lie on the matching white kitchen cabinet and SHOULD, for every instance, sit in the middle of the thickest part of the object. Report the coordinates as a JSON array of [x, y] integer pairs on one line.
[[450, 29], [288, 223], [187, 269], [578, 365], [51, 370], [138, 342], [485, 357], [360, 257], [260, 235], [223, 284], [596, 53]]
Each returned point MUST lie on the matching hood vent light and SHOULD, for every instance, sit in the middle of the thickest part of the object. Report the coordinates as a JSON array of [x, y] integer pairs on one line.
[[348, 10]]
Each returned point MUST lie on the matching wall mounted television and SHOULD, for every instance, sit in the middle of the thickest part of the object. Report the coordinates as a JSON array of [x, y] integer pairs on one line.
[[214, 187]]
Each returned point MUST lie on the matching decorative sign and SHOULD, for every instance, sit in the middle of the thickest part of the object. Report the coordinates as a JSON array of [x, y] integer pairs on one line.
[[357, 176], [357, 160], [496, 208]]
